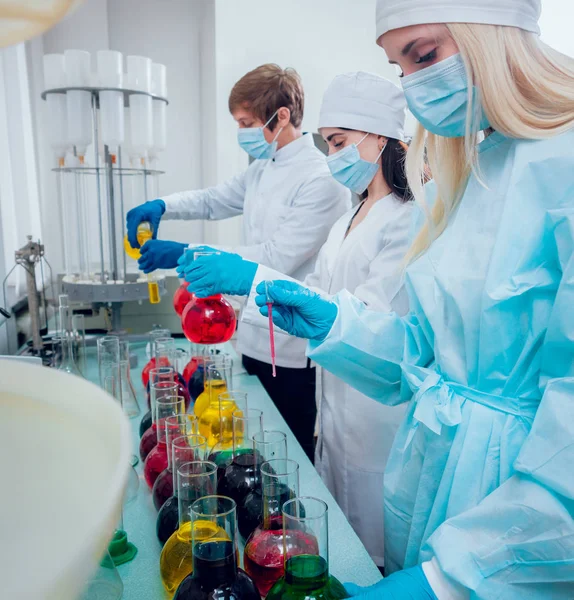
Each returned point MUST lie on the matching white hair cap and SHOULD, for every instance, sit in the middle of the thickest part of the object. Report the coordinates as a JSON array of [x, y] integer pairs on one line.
[[364, 102], [394, 14]]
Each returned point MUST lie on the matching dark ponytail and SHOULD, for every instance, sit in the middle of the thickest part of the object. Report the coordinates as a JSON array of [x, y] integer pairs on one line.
[[393, 167]]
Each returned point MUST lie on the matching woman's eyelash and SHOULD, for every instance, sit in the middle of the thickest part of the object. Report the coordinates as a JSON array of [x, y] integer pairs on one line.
[[427, 57]]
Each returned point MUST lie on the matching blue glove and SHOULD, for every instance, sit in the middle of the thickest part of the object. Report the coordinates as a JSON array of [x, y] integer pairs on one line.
[[297, 310], [160, 254], [222, 273], [187, 258], [148, 211], [410, 584]]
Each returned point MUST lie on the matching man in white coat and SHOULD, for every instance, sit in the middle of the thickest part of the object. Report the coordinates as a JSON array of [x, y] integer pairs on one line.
[[289, 202], [362, 120]]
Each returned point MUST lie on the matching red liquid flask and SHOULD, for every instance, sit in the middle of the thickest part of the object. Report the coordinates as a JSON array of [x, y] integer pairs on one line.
[[162, 488], [190, 368], [148, 442], [181, 390], [181, 298], [146, 423], [151, 364], [163, 385], [208, 320], [155, 463], [264, 550]]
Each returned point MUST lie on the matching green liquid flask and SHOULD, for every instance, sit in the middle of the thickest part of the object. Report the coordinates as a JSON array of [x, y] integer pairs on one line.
[[306, 576]]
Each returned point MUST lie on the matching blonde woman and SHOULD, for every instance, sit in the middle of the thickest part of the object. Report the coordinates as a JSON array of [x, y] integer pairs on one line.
[[479, 487]]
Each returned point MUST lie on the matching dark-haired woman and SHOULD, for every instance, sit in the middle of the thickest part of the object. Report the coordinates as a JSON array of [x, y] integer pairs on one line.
[[362, 121]]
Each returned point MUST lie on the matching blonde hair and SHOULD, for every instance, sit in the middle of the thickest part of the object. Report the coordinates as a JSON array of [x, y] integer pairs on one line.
[[526, 90]]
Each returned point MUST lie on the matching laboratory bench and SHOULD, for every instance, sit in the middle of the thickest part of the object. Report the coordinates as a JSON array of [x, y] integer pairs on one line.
[[348, 559]]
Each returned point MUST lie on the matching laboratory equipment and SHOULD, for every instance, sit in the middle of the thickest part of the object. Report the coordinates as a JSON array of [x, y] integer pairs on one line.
[[215, 571], [111, 75], [162, 385], [105, 583], [184, 449], [144, 234], [154, 334], [271, 330], [208, 320], [129, 399], [194, 480], [181, 299], [108, 358], [139, 70], [196, 383], [264, 550], [243, 475], [218, 371], [65, 337], [237, 439], [306, 573], [159, 108], [79, 341], [175, 426], [190, 368], [98, 188], [66, 537], [156, 460], [215, 422]]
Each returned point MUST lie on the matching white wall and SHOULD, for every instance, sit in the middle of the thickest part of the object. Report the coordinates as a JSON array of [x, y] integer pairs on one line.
[[319, 38]]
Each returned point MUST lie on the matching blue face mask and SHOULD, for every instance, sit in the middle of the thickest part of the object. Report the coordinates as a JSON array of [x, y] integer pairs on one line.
[[438, 98], [252, 140], [348, 168]]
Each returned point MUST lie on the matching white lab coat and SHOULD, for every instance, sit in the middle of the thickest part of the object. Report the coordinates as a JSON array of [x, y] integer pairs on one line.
[[356, 433], [289, 205]]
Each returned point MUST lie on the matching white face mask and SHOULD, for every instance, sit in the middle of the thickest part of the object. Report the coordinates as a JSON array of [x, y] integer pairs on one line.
[[252, 140]]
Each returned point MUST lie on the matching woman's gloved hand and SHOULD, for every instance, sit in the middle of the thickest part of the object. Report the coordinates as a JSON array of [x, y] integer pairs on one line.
[[187, 258], [221, 273], [297, 310], [410, 584], [160, 254], [152, 212]]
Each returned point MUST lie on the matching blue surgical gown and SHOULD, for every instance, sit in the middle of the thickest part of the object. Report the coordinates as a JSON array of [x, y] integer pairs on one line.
[[481, 474]]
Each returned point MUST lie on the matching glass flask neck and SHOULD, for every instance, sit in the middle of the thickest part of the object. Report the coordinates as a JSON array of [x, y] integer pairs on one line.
[[215, 564], [279, 483], [307, 572]]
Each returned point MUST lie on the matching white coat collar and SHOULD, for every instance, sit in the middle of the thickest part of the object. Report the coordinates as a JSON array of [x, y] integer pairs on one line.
[[290, 150]]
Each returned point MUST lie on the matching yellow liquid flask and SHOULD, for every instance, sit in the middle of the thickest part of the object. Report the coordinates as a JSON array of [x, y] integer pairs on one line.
[[215, 382], [144, 234], [194, 480]]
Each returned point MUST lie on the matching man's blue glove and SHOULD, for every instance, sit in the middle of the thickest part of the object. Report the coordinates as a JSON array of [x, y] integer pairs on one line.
[[221, 273], [297, 310], [187, 258], [160, 254], [148, 211], [410, 584]]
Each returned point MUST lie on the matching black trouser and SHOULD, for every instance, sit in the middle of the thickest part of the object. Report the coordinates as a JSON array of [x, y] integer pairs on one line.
[[293, 392]]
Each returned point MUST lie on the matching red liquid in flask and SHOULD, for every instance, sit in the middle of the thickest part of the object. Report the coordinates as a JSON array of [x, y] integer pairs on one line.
[[264, 552], [155, 463], [148, 442], [208, 320], [162, 488], [190, 369], [164, 362], [181, 298]]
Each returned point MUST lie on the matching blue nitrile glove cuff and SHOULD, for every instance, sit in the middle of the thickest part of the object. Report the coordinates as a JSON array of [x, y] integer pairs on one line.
[[410, 584], [221, 273], [296, 309]]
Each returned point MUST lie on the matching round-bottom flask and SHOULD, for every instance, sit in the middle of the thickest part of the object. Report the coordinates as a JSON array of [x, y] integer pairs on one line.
[[208, 320]]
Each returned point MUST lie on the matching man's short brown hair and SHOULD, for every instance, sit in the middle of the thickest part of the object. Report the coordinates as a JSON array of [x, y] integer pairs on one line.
[[265, 90]]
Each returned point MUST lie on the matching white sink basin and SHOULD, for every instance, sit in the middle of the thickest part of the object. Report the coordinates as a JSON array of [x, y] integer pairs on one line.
[[65, 447]]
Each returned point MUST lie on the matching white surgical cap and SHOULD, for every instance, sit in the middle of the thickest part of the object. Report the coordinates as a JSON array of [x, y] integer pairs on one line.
[[394, 14], [364, 102]]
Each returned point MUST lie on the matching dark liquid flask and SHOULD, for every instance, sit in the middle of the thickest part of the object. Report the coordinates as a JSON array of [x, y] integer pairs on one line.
[[306, 543], [196, 383], [190, 369], [181, 298], [216, 576], [208, 320], [241, 477], [145, 423], [148, 442], [162, 488], [167, 520]]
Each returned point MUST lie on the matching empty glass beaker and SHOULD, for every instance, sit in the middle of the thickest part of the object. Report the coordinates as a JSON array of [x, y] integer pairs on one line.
[[106, 582], [129, 399]]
